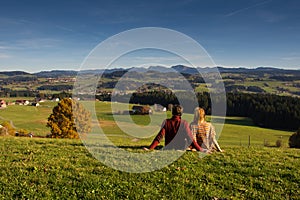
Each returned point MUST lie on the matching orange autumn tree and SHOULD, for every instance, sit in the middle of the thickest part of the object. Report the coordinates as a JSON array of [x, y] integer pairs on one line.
[[69, 119]]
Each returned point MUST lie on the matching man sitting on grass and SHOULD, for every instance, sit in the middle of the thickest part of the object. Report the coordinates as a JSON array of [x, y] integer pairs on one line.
[[176, 132]]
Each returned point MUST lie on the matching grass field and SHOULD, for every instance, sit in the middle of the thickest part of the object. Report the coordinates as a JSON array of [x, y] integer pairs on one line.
[[236, 130], [34, 168], [31, 118], [64, 169]]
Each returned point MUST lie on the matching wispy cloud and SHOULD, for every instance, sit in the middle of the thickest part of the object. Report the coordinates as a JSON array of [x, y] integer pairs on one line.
[[14, 21], [37, 43], [30, 44], [64, 28], [9, 21], [247, 8], [270, 17], [3, 56], [291, 58], [4, 47]]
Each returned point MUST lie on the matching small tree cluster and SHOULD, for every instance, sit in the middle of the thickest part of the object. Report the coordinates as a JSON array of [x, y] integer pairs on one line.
[[294, 140], [69, 119]]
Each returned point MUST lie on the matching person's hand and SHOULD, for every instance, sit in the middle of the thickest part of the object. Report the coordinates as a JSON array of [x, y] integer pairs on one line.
[[145, 149], [206, 151]]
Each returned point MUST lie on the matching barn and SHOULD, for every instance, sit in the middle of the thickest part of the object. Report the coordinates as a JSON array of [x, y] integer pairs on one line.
[[141, 110]]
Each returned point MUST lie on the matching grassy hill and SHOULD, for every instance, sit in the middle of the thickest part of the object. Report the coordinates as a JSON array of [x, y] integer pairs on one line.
[[34, 168], [64, 169], [31, 118]]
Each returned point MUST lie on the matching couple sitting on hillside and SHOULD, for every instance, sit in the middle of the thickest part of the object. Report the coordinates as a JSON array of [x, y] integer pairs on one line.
[[199, 135]]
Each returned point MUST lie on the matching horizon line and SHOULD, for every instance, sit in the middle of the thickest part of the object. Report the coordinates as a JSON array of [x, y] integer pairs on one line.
[[216, 66]]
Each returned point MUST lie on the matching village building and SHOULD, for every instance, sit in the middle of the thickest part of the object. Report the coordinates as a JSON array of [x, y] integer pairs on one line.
[[22, 102], [141, 110], [2, 104], [159, 108]]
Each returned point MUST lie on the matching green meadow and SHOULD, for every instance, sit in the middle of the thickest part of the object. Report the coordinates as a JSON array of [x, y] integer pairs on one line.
[[40, 168], [31, 118], [236, 130]]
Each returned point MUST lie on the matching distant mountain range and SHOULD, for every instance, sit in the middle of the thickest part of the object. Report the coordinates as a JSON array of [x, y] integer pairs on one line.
[[177, 68]]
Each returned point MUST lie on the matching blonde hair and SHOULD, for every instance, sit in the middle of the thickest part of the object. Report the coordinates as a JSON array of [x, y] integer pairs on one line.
[[199, 113]]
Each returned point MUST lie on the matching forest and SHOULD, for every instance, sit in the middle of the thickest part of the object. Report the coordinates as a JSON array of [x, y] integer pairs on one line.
[[266, 110]]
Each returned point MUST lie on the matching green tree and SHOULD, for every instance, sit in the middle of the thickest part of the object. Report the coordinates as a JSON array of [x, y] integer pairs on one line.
[[69, 119], [294, 140]]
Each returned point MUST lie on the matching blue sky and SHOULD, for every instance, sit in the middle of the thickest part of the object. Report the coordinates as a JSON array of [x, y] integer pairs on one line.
[[45, 35]]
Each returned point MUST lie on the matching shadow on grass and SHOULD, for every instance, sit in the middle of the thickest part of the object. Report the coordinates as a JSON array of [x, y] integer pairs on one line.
[[138, 147]]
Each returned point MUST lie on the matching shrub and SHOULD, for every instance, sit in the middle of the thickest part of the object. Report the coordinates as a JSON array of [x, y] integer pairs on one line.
[[3, 131], [23, 131], [294, 141], [266, 143], [8, 129], [279, 143]]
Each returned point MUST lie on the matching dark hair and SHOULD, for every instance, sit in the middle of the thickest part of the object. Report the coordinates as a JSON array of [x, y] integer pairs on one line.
[[177, 110]]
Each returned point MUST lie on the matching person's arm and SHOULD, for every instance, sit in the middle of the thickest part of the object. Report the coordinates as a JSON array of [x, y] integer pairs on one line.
[[217, 144], [196, 145], [214, 140], [159, 137]]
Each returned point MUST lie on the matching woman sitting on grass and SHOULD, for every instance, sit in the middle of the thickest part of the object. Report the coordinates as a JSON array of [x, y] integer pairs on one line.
[[204, 132]]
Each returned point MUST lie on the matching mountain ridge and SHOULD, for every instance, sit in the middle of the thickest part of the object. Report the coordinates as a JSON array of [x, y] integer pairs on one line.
[[176, 68]]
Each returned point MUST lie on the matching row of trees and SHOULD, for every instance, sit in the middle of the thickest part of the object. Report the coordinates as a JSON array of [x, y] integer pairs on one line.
[[7, 92], [266, 110], [56, 87], [272, 111]]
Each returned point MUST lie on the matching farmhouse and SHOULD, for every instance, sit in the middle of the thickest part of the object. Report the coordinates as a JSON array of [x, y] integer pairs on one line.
[[159, 108], [141, 110], [22, 102], [2, 104]]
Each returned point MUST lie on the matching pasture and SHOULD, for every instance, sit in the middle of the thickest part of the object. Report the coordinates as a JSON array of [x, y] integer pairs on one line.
[[34, 168]]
